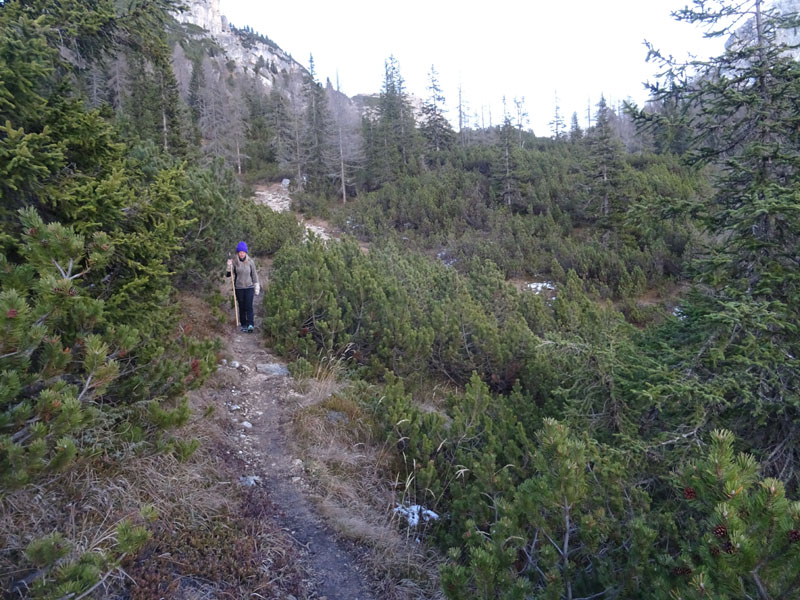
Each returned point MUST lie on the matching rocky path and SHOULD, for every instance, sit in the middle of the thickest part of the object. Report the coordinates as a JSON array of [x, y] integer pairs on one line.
[[260, 403], [276, 196]]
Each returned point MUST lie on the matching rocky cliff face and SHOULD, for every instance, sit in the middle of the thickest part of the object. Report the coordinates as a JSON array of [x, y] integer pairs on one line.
[[205, 14], [247, 51], [746, 34]]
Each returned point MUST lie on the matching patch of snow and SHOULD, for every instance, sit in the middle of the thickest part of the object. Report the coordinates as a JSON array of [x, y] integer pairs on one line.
[[247, 424], [235, 364], [414, 513], [235, 407], [679, 313], [537, 287]]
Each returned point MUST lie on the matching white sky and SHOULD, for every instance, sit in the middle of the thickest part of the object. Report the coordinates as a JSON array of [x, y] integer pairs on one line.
[[535, 49]]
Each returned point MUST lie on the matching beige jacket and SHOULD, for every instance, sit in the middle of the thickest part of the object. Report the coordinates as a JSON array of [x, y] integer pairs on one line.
[[245, 274]]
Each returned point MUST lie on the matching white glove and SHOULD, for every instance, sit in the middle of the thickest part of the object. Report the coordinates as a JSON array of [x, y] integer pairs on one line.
[[258, 289]]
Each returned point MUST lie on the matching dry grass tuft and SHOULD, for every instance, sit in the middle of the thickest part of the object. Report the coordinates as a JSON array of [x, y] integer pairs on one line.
[[325, 381], [348, 462]]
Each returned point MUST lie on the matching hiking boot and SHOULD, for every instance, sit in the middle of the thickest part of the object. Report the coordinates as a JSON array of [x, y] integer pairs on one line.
[[244, 329], [250, 329]]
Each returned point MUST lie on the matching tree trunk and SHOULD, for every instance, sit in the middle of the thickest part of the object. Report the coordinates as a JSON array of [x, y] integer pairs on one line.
[[341, 166], [164, 128], [238, 157]]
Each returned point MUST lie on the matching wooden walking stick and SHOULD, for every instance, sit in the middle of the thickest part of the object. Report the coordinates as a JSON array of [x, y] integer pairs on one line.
[[233, 288]]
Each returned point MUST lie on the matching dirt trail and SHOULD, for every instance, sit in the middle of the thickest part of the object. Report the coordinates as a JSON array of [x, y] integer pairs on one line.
[[276, 196], [260, 405]]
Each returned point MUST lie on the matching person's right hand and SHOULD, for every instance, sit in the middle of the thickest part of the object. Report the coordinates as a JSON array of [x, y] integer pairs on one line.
[[230, 263]]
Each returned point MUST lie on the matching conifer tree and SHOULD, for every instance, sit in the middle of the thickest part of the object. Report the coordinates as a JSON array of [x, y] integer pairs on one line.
[[557, 124], [435, 127], [522, 120], [463, 111], [504, 176], [740, 534], [197, 83], [259, 135], [222, 117], [744, 323], [151, 97], [575, 131], [391, 137], [294, 126], [317, 134], [280, 122], [348, 143], [605, 166], [84, 242]]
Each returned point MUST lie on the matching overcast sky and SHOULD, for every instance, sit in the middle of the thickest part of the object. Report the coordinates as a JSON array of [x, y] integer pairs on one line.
[[535, 49]]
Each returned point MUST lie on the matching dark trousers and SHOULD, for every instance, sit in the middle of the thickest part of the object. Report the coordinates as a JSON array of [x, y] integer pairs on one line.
[[244, 297]]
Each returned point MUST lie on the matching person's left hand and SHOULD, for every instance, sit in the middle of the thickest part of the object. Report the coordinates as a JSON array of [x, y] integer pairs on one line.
[[258, 289]]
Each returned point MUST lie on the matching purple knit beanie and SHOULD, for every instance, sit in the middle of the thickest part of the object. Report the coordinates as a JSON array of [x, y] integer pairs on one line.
[[241, 247]]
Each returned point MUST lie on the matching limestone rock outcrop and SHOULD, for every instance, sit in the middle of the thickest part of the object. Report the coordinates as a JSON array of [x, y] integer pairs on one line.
[[248, 51]]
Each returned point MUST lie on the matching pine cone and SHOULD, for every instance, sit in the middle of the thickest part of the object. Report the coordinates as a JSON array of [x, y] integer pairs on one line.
[[794, 536], [721, 531], [689, 493], [730, 548], [715, 551]]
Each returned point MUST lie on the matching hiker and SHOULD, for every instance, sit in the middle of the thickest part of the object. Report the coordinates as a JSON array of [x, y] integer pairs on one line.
[[245, 284]]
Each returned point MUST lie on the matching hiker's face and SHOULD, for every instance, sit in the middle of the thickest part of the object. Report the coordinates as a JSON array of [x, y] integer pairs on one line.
[[242, 254]]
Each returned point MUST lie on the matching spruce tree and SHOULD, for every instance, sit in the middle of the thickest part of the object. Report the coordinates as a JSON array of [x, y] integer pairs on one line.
[[557, 124], [391, 136], [280, 122], [436, 129], [605, 166], [259, 135], [743, 323], [317, 134], [505, 180], [575, 131]]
